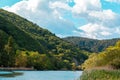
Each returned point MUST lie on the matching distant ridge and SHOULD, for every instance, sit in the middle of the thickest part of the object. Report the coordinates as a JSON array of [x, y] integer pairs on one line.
[[91, 45]]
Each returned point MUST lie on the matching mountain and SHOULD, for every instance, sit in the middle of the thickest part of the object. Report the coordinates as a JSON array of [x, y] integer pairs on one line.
[[91, 45], [21, 40]]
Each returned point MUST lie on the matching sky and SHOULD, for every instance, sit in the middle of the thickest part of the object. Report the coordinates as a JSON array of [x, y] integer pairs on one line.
[[97, 19]]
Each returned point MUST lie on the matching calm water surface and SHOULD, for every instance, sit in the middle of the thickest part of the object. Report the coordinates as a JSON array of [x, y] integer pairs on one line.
[[41, 75]]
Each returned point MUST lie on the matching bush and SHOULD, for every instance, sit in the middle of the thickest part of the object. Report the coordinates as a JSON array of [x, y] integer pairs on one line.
[[100, 75], [115, 63]]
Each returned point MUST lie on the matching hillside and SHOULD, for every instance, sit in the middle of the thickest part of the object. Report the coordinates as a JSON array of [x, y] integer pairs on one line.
[[91, 45], [103, 66], [21, 40]]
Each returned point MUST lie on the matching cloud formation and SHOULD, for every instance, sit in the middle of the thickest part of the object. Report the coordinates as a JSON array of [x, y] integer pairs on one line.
[[45, 13], [101, 23], [85, 6], [51, 14]]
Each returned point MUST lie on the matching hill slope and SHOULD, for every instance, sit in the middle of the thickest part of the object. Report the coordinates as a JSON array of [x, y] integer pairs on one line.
[[91, 45], [21, 38], [27, 36]]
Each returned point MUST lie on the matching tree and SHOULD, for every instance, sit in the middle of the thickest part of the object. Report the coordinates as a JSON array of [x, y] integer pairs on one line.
[[10, 51], [21, 59]]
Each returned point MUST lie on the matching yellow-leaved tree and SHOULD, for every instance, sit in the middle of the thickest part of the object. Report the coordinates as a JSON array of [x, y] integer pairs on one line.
[[108, 58]]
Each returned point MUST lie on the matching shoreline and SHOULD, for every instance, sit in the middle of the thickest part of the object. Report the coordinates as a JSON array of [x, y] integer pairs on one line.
[[16, 69], [27, 69]]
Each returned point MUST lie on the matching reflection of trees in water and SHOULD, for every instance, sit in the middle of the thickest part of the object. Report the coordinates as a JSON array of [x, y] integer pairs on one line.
[[10, 74]]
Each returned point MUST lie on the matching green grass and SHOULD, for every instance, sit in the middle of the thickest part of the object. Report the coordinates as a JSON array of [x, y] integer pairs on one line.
[[101, 75]]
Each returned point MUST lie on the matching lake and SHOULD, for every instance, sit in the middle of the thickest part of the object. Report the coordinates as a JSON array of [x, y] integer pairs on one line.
[[40, 75]]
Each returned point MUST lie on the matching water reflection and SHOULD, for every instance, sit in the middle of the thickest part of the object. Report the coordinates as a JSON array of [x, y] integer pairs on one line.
[[41, 75], [10, 74]]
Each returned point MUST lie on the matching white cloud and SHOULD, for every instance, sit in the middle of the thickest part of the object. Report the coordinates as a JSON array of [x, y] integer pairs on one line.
[[97, 31], [101, 23], [102, 15], [106, 17], [104, 33], [118, 30], [51, 14], [84, 6], [59, 4], [47, 14]]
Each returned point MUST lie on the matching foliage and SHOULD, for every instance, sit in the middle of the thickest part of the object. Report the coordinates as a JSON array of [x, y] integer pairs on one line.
[[10, 51], [21, 59], [110, 58], [91, 45], [36, 47], [41, 61], [101, 75]]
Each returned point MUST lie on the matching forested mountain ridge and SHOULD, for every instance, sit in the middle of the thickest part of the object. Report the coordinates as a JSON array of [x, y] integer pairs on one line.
[[91, 45], [25, 44]]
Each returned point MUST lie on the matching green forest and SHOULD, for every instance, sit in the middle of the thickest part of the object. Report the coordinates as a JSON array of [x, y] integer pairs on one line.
[[25, 44], [91, 45]]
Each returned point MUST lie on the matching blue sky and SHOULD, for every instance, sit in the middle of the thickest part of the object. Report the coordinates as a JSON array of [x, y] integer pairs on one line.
[[98, 19], [113, 6], [8, 2]]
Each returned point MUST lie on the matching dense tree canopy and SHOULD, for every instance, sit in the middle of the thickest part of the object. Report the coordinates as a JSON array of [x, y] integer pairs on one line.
[[23, 42], [108, 58], [91, 45]]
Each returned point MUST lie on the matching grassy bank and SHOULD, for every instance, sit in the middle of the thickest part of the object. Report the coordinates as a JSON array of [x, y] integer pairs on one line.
[[101, 75]]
